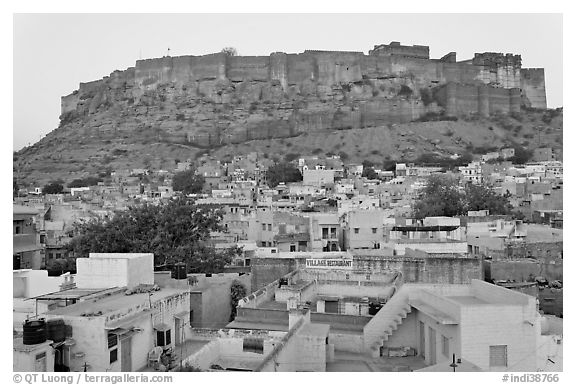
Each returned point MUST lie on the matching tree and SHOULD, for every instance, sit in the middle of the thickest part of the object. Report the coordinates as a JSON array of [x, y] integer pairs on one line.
[[188, 182], [483, 198], [343, 156], [521, 155], [15, 187], [369, 173], [282, 172], [237, 292], [440, 197], [52, 188], [176, 232], [84, 182], [229, 51], [443, 197]]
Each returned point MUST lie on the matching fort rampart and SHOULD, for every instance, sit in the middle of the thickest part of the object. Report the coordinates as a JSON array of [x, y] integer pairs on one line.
[[317, 90]]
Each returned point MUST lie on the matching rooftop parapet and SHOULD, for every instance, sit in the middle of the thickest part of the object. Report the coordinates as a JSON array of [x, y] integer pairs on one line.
[[396, 49], [496, 59]]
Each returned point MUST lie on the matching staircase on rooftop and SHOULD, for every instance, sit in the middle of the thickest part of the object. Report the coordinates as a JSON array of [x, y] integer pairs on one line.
[[385, 322]]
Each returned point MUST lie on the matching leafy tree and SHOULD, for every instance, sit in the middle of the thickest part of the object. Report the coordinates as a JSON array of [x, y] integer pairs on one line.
[[229, 51], [367, 163], [443, 197], [483, 198], [440, 197], [52, 188], [521, 155], [176, 232], [282, 172], [188, 182], [15, 187], [369, 173], [84, 182], [343, 156], [237, 292], [291, 156], [389, 165]]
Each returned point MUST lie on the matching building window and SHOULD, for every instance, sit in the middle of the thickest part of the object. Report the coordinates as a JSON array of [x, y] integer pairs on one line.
[[292, 248], [163, 337], [374, 230], [498, 356], [324, 233], [18, 230], [356, 230], [269, 227], [445, 346], [112, 340], [264, 226], [114, 355]]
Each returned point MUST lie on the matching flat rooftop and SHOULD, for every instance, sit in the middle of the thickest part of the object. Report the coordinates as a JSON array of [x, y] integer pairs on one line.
[[467, 300], [113, 303], [72, 294]]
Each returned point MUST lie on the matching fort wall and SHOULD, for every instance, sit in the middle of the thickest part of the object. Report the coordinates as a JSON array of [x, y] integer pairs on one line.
[[533, 87], [318, 90]]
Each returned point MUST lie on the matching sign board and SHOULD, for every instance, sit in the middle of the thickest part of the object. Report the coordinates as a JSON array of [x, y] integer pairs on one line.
[[326, 263]]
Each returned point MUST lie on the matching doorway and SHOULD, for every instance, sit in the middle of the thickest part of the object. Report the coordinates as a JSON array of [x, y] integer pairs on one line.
[[126, 352]]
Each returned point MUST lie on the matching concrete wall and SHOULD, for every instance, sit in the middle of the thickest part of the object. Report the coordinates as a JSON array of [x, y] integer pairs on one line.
[[24, 360], [413, 269], [521, 270], [500, 326], [266, 270], [31, 283], [452, 332], [109, 270], [210, 299]]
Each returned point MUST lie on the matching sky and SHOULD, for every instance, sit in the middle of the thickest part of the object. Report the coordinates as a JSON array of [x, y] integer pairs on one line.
[[53, 53]]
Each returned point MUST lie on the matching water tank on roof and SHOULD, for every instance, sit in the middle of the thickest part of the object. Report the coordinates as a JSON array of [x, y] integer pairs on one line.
[[56, 330], [179, 271], [34, 332]]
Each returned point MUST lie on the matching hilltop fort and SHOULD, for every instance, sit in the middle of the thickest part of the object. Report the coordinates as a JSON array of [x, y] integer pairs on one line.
[[218, 99]]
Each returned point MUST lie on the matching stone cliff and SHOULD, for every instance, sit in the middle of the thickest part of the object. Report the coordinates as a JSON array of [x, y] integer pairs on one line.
[[216, 100], [221, 99]]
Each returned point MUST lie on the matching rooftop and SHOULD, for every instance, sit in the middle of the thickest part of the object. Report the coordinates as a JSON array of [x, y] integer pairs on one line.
[[18, 209], [113, 303], [467, 300]]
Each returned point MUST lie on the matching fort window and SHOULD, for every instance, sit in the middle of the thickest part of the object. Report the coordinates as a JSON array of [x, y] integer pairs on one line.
[[356, 230], [374, 230]]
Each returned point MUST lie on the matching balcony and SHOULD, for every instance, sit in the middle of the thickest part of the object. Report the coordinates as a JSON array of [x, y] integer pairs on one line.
[[25, 242]]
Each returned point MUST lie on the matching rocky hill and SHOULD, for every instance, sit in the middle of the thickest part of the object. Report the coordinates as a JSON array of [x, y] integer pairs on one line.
[[380, 106]]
